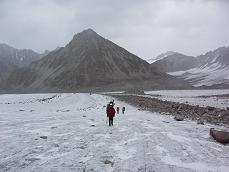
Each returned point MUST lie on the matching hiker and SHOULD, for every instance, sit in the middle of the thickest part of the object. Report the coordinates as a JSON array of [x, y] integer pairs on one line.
[[110, 113], [117, 109], [112, 102], [123, 109]]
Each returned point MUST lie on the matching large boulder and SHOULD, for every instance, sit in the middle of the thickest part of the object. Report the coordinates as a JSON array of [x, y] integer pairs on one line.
[[210, 108], [220, 136], [200, 121]]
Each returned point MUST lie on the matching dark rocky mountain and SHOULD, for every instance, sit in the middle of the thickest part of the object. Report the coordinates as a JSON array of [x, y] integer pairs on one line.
[[90, 62], [175, 62], [208, 70], [12, 58]]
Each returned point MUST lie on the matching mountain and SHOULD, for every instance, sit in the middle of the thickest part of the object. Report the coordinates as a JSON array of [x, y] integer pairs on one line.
[[12, 58], [174, 62], [208, 70], [161, 56], [90, 62]]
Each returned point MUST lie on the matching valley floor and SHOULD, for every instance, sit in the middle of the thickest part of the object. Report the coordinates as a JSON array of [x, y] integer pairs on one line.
[[78, 138]]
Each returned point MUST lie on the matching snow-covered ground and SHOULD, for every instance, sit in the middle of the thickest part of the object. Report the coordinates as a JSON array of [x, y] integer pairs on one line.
[[194, 97], [78, 138]]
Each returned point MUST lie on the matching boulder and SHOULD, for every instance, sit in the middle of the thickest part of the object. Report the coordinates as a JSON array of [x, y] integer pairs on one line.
[[179, 108], [43, 137], [211, 108], [179, 118], [200, 121], [109, 162], [220, 136]]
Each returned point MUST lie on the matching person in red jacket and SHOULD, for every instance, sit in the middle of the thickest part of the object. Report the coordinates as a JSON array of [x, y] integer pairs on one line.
[[110, 114]]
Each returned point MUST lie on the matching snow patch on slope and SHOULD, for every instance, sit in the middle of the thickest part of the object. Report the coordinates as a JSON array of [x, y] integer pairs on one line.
[[208, 74], [161, 56]]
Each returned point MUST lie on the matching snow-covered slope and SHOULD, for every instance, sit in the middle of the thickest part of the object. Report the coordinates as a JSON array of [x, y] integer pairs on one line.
[[161, 56], [210, 69], [78, 138], [208, 75]]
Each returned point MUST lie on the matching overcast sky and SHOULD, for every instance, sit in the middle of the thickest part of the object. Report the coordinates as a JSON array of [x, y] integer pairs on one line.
[[144, 27]]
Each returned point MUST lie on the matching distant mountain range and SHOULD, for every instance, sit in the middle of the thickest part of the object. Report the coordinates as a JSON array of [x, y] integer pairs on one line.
[[210, 70], [90, 62], [12, 58]]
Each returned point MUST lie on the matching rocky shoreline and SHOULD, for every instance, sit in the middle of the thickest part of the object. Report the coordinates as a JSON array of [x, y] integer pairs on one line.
[[179, 110]]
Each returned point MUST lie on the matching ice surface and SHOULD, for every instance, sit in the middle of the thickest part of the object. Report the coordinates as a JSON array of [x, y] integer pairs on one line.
[[78, 138], [194, 97]]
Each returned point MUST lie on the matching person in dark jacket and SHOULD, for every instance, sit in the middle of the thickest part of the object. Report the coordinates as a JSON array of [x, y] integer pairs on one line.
[[110, 114], [117, 109], [123, 109]]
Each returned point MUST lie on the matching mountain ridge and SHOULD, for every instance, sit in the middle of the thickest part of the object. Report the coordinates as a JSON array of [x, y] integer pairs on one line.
[[207, 70], [90, 61], [12, 58]]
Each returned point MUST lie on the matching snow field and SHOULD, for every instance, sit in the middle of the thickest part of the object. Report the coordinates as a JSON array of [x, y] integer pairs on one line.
[[78, 138]]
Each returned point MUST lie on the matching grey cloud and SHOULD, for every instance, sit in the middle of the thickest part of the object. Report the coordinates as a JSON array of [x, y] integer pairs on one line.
[[146, 27]]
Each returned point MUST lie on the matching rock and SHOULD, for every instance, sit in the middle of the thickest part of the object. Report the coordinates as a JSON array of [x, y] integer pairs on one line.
[[92, 125], [227, 108], [210, 108], [56, 145], [108, 162], [220, 136], [179, 108], [178, 118], [43, 137], [200, 121]]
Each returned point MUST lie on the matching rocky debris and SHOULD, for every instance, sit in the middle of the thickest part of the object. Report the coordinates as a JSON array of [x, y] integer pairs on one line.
[[220, 136], [178, 118], [32, 159], [47, 99], [186, 111], [62, 110], [43, 137], [135, 91]]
